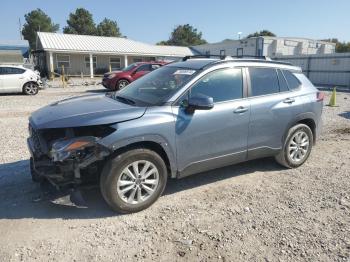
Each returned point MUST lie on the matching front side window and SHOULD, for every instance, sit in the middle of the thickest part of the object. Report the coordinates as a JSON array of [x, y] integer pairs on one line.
[[292, 81], [156, 87], [222, 85], [263, 81], [87, 61], [145, 67], [63, 60]]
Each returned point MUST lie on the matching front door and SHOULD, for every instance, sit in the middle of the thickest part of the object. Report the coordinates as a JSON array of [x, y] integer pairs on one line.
[[141, 71], [208, 139], [12, 79]]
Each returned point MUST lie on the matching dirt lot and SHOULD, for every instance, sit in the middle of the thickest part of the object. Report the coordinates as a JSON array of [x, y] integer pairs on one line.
[[256, 211]]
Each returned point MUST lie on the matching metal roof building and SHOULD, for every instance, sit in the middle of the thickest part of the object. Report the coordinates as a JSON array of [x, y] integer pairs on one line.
[[90, 55]]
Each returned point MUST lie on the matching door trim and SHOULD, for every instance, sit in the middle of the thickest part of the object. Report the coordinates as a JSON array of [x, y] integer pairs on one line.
[[213, 163]]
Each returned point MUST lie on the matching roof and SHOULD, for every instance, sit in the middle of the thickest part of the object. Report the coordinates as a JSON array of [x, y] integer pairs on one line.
[[11, 57], [14, 43], [105, 45]]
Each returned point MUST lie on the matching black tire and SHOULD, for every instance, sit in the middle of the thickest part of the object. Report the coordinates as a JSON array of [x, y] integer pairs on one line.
[[284, 158], [30, 88], [121, 84], [112, 171], [35, 175]]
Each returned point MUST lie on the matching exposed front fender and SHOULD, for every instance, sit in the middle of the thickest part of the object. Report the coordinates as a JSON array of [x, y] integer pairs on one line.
[[148, 138]]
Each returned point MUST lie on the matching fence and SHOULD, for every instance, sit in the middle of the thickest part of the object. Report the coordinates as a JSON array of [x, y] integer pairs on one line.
[[325, 69]]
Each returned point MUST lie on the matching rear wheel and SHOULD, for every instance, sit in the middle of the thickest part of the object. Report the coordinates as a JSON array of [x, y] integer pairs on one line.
[[30, 88], [133, 180], [297, 147], [121, 84]]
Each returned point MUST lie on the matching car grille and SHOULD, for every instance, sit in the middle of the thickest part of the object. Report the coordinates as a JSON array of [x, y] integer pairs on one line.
[[35, 136]]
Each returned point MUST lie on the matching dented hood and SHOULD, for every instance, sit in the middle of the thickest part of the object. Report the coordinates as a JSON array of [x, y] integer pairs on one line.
[[84, 111]]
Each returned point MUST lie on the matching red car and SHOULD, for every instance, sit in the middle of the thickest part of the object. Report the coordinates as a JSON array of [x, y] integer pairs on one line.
[[117, 80]]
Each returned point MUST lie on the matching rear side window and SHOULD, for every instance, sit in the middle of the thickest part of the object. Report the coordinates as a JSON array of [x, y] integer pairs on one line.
[[264, 81], [282, 81], [221, 85], [11, 71], [292, 81]]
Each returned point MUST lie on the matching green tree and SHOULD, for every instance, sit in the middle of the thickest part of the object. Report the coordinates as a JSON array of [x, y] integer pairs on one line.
[[261, 33], [184, 35], [37, 20], [108, 28], [340, 47], [81, 22]]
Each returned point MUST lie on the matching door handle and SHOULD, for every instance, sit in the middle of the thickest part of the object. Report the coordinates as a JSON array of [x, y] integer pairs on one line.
[[240, 110], [289, 100]]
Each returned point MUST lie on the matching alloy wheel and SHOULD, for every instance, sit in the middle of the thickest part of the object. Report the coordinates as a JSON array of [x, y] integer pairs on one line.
[[138, 182], [30, 89], [298, 146]]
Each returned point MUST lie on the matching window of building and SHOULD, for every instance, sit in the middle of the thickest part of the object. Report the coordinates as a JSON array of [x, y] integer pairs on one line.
[[114, 63], [63, 60], [87, 61], [221, 85], [264, 81], [292, 81], [282, 82], [137, 60], [239, 52]]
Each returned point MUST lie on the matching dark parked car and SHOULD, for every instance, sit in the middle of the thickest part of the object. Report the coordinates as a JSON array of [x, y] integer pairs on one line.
[[117, 80], [184, 118]]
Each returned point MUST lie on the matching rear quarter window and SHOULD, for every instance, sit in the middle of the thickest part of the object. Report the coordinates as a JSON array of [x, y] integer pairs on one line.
[[293, 82]]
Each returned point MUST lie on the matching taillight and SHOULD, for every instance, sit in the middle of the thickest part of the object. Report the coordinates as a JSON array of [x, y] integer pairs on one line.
[[319, 96]]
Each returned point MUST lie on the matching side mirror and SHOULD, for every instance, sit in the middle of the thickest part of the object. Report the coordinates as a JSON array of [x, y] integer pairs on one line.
[[200, 102]]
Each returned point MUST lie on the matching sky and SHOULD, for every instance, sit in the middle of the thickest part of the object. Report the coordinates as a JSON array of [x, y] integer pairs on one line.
[[151, 21]]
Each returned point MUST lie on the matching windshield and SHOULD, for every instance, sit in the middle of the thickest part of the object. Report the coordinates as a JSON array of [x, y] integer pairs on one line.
[[156, 87], [128, 68]]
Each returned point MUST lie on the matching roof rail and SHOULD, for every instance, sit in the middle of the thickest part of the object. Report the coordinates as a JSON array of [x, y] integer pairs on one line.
[[202, 56], [224, 57]]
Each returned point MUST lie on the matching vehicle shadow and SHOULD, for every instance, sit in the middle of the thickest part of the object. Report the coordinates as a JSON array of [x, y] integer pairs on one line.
[[345, 114], [21, 198]]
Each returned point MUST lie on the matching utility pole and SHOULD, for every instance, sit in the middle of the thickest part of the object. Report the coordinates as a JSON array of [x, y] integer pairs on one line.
[[20, 28]]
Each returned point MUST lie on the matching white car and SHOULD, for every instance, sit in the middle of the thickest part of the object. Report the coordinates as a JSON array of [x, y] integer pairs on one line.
[[18, 79]]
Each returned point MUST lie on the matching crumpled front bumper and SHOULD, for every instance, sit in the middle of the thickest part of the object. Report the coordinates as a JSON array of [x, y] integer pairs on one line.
[[62, 169]]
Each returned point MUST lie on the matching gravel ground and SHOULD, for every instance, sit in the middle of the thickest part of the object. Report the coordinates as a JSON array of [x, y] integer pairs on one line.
[[256, 211]]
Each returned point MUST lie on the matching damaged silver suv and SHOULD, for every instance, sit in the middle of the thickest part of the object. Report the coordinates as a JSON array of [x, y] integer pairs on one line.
[[184, 118]]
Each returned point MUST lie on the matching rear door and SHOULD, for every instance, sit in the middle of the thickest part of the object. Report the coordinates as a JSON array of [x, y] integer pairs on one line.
[[273, 106], [212, 138]]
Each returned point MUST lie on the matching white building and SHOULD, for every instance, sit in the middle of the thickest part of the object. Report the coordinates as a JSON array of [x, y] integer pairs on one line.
[[267, 46], [95, 55]]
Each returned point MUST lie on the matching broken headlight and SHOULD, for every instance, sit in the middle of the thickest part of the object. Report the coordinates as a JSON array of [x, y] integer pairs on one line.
[[71, 148]]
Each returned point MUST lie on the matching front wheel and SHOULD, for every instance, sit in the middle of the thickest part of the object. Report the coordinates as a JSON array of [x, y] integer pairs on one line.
[[121, 84], [30, 88], [133, 180], [297, 147]]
